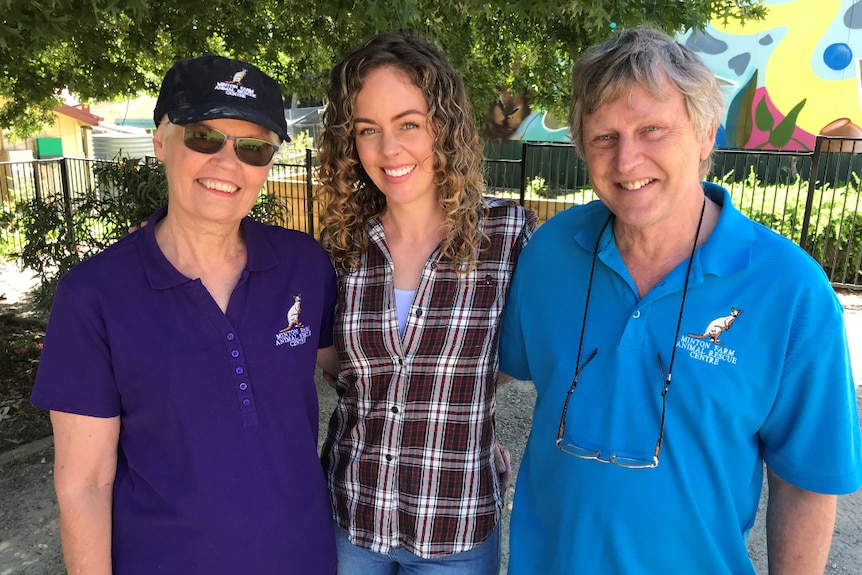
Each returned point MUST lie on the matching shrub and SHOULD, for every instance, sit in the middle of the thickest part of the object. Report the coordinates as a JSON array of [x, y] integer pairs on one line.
[[58, 234]]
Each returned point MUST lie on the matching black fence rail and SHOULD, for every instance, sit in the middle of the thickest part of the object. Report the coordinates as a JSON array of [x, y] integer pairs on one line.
[[813, 197]]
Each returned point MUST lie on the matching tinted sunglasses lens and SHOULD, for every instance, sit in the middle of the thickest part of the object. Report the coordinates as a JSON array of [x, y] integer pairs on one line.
[[255, 152], [203, 139]]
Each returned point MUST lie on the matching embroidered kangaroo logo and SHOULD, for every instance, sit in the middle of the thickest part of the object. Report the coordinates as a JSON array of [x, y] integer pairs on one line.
[[718, 326], [293, 313]]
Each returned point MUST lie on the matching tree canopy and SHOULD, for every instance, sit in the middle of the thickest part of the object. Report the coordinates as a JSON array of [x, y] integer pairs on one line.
[[106, 49]]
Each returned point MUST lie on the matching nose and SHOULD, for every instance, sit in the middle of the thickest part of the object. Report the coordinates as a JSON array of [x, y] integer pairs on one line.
[[629, 153], [390, 143]]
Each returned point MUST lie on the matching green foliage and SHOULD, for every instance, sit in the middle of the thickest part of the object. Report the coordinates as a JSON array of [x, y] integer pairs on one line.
[[538, 187], [59, 234], [302, 141], [834, 236], [105, 49], [294, 151]]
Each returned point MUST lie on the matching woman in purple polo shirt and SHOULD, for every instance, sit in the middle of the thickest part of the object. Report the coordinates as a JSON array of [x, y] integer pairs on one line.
[[423, 264], [179, 363]]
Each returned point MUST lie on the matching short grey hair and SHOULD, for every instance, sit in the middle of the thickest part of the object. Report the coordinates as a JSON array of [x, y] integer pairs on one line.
[[645, 57]]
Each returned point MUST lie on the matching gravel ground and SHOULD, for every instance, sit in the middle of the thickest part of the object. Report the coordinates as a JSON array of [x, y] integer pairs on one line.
[[29, 534]]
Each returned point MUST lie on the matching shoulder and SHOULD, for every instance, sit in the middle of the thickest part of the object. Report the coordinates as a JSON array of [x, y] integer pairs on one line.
[[587, 218], [113, 264], [287, 241], [503, 214]]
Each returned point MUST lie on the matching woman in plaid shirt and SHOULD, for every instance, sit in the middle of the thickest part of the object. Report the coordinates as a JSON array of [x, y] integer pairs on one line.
[[424, 264]]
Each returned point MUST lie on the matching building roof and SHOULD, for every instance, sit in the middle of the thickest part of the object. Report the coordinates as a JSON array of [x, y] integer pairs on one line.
[[80, 113]]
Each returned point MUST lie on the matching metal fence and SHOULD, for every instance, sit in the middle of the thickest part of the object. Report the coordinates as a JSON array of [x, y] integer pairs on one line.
[[812, 197]]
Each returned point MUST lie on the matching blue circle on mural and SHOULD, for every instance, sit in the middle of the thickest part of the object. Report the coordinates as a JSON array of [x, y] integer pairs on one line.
[[838, 56]]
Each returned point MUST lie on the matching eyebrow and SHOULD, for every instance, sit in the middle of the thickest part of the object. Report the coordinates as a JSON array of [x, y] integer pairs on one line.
[[395, 117]]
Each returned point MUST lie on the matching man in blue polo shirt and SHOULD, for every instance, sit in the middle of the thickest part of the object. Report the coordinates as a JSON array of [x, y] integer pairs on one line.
[[676, 347], [179, 363]]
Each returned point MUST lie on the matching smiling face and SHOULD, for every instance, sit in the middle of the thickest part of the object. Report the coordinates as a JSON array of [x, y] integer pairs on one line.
[[644, 157], [216, 188], [394, 141]]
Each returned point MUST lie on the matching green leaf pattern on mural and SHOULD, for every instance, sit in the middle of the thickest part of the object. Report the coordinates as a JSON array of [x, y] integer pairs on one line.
[[783, 132], [741, 109], [763, 117]]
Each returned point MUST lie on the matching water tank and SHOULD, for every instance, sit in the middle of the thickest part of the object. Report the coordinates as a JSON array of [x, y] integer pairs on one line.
[[107, 146]]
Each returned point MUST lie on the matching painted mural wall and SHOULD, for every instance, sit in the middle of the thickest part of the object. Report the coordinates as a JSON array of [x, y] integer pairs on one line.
[[789, 77]]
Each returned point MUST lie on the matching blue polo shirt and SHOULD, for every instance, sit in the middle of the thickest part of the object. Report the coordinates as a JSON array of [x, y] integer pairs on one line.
[[774, 386], [218, 469]]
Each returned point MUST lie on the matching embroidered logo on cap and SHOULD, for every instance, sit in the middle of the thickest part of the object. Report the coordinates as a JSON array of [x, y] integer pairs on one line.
[[296, 332], [235, 88]]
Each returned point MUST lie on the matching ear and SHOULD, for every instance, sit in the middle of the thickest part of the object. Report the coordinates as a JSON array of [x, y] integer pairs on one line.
[[159, 140], [708, 143]]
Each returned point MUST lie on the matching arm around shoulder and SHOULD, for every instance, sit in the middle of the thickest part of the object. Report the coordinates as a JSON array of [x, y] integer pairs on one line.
[[85, 465]]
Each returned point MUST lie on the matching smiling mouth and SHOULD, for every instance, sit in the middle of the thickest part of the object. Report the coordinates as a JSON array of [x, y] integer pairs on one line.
[[631, 186], [218, 186], [398, 172]]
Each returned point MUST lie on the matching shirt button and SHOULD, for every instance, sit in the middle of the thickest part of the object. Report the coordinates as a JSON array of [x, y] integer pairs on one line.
[[240, 371], [246, 402], [418, 313], [636, 314], [394, 409], [433, 265], [230, 336], [388, 458], [234, 353], [489, 279], [243, 386]]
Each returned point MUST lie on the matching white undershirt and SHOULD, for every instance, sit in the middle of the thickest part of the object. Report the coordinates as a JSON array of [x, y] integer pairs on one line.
[[403, 299]]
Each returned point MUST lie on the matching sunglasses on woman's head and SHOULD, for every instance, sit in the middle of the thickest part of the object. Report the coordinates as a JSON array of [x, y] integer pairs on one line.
[[205, 140]]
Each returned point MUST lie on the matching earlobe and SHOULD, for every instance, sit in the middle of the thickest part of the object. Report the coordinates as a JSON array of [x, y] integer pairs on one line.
[[708, 144], [158, 143]]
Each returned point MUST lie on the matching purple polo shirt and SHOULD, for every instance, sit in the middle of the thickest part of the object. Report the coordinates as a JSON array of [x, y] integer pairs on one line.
[[218, 469]]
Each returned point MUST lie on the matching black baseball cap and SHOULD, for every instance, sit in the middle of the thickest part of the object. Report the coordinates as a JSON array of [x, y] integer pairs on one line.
[[213, 87]]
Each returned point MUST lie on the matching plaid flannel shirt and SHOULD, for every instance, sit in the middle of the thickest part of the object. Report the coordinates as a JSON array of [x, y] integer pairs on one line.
[[409, 453]]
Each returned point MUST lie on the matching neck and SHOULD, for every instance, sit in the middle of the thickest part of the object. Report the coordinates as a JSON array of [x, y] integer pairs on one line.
[[414, 224], [650, 253], [195, 249]]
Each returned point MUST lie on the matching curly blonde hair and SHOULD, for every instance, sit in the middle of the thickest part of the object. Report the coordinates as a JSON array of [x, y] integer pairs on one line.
[[351, 199]]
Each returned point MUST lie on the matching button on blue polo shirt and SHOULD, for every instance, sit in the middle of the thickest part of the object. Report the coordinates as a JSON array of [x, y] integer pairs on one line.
[[217, 468]]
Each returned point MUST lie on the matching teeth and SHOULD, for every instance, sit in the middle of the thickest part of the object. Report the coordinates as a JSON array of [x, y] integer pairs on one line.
[[219, 186], [635, 185], [400, 171]]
